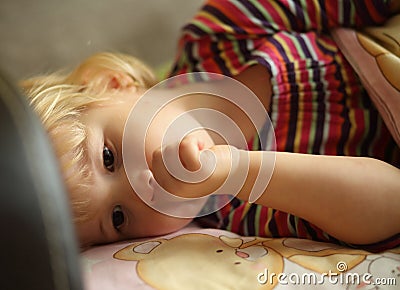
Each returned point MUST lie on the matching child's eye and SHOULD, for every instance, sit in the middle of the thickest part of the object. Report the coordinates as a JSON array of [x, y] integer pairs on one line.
[[108, 159], [118, 217]]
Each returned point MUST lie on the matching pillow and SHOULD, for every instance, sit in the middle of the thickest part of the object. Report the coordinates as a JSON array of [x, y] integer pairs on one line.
[[374, 54], [195, 258]]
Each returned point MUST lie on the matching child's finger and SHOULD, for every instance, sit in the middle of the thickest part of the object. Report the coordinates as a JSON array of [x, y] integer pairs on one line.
[[189, 153]]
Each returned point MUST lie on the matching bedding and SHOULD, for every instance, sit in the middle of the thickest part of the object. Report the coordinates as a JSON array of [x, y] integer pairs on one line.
[[197, 258], [374, 54]]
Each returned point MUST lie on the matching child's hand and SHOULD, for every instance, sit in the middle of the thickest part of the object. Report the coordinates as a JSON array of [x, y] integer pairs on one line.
[[189, 170]]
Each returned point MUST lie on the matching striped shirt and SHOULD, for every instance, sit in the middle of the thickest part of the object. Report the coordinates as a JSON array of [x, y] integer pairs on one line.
[[318, 105]]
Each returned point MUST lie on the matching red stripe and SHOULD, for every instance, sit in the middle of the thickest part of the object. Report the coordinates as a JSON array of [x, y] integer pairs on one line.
[[360, 130], [301, 230], [307, 116], [312, 15], [230, 11], [282, 223], [332, 9], [373, 12], [207, 55], [262, 222], [382, 141], [236, 219], [209, 22]]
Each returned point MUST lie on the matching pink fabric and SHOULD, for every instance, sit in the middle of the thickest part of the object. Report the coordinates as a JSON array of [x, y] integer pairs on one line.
[[195, 258], [376, 67]]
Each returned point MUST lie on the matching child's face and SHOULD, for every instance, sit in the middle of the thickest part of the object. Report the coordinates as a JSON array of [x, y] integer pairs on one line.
[[118, 213]]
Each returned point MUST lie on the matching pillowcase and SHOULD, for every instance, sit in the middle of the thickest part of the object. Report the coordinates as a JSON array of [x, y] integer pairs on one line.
[[374, 54], [196, 258]]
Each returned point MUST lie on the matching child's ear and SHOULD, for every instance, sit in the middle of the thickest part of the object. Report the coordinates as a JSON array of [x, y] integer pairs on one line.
[[97, 77]]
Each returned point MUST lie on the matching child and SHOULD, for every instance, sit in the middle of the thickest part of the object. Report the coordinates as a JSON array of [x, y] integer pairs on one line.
[[316, 102], [303, 89]]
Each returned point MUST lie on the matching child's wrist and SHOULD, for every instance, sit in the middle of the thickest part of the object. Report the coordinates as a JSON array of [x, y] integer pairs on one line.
[[230, 169]]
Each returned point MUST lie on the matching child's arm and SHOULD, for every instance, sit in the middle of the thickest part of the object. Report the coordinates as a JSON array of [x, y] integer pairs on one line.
[[354, 199]]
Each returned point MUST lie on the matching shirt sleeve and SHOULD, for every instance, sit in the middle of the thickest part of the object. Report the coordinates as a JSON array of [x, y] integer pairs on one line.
[[234, 29]]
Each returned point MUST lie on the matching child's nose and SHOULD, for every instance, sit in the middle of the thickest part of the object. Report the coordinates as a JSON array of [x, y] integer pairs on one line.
[[147, 188]]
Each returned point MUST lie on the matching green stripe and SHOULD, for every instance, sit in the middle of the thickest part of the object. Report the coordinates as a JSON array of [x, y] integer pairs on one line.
[[305, 15], [236, 49], [256, 143], [202, 26], [340, 14], [265, 13], [299, 49], [292, 230], [352, 14], [257, 220], [367, 125]]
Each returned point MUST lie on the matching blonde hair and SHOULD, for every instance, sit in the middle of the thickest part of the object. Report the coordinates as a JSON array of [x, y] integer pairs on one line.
[[60, 98]]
